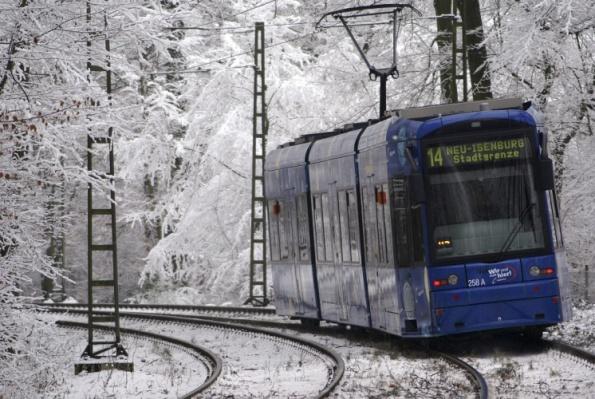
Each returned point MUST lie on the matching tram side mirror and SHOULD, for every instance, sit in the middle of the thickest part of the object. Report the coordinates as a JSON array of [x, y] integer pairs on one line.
[[544, 174], [418, 192]]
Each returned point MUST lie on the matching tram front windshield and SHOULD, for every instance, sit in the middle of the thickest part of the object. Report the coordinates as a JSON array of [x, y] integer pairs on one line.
[[482, 200]]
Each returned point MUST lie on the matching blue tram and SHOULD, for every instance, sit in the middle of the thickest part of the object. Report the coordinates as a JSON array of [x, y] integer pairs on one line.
[[437, 220]]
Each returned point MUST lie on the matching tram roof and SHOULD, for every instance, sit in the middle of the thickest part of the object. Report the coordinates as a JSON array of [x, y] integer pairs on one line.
[[335, 146], [406, 124], [286, 157]]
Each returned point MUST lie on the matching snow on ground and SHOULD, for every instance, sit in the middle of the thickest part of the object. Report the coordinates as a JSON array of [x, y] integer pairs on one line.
[[380, 366], [253, 366], [376, 366], [580, 331], [532, 373], [517, 370], [256, 367], [160, 370]]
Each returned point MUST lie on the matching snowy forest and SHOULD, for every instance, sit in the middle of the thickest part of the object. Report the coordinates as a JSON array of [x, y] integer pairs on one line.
[[181, 113]]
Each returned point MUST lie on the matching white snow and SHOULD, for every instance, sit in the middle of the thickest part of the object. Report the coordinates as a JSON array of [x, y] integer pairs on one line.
[[160, 371], [183, 147]]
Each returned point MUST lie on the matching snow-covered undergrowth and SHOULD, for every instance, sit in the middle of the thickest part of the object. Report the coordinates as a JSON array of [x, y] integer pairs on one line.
[[534, 376], [263, 368], [523, 373], [254, 366], [160, 371], [376, 366], [580, 331]]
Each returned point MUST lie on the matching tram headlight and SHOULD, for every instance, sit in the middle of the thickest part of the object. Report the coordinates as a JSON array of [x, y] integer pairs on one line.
[[534, 271], [453, 279]]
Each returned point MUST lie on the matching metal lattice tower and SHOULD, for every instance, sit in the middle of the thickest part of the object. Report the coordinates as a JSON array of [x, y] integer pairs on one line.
[[459, 49], [258, 263], [103, 353]]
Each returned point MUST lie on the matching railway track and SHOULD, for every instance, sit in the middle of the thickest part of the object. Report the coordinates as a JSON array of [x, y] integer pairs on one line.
[[516, 367], [212, 363], [475, 377], [333, 361], [579, 354], [212, 314], [178, 309]]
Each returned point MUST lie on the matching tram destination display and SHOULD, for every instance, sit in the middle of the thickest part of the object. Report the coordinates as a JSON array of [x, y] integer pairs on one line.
[[476, 152]]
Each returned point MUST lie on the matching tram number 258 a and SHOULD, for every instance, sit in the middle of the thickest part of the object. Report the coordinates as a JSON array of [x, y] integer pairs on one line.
[[476, 282]]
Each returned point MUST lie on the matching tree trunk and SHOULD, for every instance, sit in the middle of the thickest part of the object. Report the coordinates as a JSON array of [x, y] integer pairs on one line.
[[477, 57], [444, 41]]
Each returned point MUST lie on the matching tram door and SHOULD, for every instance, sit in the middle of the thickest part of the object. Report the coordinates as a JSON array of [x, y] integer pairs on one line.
[[296, 301], [343, 303], [371, 236]]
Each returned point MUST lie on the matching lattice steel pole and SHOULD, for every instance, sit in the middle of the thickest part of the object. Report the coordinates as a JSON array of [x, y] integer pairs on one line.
[[258, 263], [102, 354]]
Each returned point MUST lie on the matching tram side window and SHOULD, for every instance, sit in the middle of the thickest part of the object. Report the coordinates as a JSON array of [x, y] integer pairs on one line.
[[365, 217], [274, 209], [326, 221], [381, 197], [388, 231], [555, 220], [318, 227], [303, 235], [401, 220], [284, 230], [344, 226], [369, 210], [408, 225], [352, 221], [416, 235]]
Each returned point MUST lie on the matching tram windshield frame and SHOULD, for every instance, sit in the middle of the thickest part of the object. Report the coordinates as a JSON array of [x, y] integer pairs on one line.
[[482, 201]]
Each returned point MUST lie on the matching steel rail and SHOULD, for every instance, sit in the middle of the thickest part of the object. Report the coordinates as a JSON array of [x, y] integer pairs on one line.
[[195, 308], [477, 378], [214, 366], [160, 310], [571, 350], [335, 374]]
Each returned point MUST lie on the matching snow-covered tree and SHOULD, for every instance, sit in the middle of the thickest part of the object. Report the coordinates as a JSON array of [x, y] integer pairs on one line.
[[48, 104], [181, 110]]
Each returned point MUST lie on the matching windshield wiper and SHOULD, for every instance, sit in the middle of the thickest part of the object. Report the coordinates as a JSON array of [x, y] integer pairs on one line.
[[509, 240]]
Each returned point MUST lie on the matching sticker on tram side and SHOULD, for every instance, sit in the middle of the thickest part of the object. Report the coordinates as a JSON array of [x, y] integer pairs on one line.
[[500, 274], [479, 275]]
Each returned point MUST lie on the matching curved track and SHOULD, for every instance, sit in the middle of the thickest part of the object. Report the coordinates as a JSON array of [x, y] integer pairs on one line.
[[476, 378], [210, 314], [517, 366], [211, 361], [335, 372], [265, 317], [572, 351], [170, 308]]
